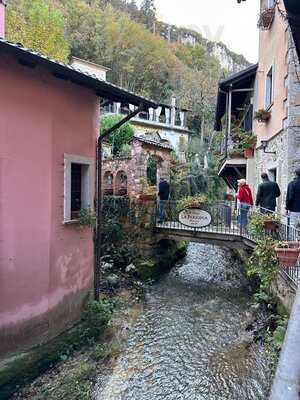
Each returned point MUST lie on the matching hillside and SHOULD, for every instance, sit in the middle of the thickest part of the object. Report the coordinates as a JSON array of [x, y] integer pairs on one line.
[[117, 34]]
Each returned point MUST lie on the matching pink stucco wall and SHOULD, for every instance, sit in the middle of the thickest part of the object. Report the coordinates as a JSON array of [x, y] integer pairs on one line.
[[272, 51], [46, 268]]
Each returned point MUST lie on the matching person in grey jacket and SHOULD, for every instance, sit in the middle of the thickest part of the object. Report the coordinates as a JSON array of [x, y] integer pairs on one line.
[[293, 200], [267, 194]]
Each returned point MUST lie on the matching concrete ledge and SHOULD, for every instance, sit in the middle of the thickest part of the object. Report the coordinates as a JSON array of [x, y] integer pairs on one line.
[[286, 385]]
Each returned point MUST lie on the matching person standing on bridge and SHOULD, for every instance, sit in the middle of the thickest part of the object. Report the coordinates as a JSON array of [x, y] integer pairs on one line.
[[267, 194], [245, 199], [163, 194], [293, 200]]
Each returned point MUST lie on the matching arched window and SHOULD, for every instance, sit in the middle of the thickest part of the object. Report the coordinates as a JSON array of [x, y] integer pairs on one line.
[[121, 183], [108, 183]]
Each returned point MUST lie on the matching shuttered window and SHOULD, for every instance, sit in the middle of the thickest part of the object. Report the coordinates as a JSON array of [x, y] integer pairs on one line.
[[269, 88]]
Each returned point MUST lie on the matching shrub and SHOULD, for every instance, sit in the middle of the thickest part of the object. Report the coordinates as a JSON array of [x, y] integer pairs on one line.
[[95, 318], [87, 217], [263, 264], [192, 201], [121, 136], [256, 226]]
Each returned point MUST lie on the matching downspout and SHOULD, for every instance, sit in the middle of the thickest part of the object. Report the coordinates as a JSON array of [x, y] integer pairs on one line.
[[99, 202]]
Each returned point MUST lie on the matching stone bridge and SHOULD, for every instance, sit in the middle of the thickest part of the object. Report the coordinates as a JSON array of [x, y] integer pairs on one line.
[[231, 238]]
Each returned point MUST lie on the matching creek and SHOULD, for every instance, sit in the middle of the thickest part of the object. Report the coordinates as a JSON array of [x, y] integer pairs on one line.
[[190, 342]]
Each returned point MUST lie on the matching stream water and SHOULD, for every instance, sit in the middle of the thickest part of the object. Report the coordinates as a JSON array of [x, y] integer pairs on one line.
[[190, 342]]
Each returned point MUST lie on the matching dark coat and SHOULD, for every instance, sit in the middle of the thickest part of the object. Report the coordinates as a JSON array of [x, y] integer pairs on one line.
[[267, 194], [164, 190], [293, 196]]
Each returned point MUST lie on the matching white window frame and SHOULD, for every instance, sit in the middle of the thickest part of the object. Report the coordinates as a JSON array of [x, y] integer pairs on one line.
[[88, 186], [267, 106]]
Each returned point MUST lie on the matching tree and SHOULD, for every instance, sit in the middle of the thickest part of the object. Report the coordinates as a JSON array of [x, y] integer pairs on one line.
[[37, 26], [121, 136], [148, 13]]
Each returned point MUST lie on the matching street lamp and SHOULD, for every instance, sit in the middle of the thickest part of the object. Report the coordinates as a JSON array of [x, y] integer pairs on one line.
[[264, 145]]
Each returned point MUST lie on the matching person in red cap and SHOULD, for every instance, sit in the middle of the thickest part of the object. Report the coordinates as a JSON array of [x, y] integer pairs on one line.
[[245, 199]]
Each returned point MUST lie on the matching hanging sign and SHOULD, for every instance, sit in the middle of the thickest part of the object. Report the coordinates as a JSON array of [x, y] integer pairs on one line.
[[195, 218]]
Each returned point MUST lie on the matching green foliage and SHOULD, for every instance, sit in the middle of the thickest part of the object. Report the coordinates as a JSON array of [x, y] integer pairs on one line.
[[262, 115], [263, 264], [125, 150], [87, 217], [279, 334], [192, 202], [37, 26], [152, 171], [147, 270], [117, 241], [256, 225], [147, 13], [121, 136], [249, 141], [95, 318]]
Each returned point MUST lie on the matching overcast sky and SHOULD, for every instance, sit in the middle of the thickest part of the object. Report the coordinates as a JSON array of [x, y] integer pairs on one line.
[[224, 20]]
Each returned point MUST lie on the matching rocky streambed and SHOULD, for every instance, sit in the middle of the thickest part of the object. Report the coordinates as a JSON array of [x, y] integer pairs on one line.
[[191, 340]]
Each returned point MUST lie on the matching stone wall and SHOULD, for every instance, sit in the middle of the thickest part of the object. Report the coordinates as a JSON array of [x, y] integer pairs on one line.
[[135, 167], [286, 143]]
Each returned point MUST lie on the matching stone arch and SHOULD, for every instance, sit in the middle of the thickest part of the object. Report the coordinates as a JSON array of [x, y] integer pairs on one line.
[[108, 181], [121, 183]]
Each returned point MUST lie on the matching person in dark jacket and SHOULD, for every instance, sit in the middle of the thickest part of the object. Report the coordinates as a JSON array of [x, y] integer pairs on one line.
[[267, 194], [163, 194], [293, 199]]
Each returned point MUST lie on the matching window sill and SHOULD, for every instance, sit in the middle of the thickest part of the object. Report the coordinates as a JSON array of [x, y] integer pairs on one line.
[[71, 222]]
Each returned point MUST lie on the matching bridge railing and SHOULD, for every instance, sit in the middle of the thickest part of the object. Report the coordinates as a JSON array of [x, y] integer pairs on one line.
[[223, 217], [226, 218]]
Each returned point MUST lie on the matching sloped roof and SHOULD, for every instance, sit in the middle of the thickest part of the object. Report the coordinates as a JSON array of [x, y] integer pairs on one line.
[[144, 139], [66, 72]]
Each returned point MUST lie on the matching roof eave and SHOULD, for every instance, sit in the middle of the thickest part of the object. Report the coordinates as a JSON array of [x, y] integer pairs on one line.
[[59, 70]]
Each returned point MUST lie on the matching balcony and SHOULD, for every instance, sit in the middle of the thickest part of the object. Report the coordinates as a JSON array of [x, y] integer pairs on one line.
[[163, 117]]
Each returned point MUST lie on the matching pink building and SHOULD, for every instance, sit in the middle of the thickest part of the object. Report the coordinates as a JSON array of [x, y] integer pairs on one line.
[[49, 123]]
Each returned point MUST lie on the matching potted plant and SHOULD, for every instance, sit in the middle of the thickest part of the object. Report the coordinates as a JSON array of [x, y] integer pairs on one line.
[[198, 201], [288, 253], [236, 153], [262, 115], [266, 18], [259, 223], [249, 142], [271, 222]]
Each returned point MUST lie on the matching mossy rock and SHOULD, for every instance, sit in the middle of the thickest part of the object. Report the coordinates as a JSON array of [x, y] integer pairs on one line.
[[182, 248], [147, 270], [281, 310]]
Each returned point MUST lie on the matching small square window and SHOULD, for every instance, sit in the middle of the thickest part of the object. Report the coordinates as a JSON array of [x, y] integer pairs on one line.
[[269, 88], [78, 182]]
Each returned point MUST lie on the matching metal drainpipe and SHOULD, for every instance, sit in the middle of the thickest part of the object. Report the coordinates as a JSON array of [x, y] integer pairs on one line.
[[99, 202], [286, 385]]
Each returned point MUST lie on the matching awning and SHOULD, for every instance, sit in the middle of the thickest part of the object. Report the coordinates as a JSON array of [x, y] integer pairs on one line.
[[232, 170], [293, 12], [241, 80]]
